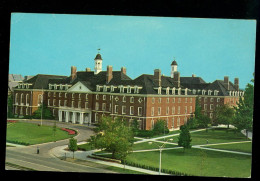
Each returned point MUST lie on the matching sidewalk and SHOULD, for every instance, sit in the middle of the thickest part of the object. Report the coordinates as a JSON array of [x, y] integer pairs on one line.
[[82, 155]]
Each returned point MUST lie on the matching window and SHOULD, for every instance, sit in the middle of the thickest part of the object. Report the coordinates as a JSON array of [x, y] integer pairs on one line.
[[97, 88], [59, 102], [211, 106], [79, 96], [159, 90], [48, 102], [49, 94], [39, 99], [139, 111], [65, 102], [190, 100], [179, 109], [97, 106], [172, 122], [110, 107], [86, 105], [124, 99], [179, 100], [205, 107], [136, 90], [16, 98], [167, 90], [97, 97], [153, 100], [79, 104], [173, 100], [131, 99], [131, 110], [105, 89], [103, 106], [167, 110], [128, 89], [152, 111], [159, 110], [26, 99], [211, 115], [173, 110], [190, 109], [121, 89], [65, 95], [123, 109], [186, 99], [104, 97], [186, 110], [211, 99], [218, 99], [152, 123], [159, 100], [116, 108], [59, 94], [205, 99], [54, 101], [178, 122], [167, 100]]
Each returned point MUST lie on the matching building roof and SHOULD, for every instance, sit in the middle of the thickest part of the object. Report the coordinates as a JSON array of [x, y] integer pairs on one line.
[[98, 56], [15, 78], [174, 63]]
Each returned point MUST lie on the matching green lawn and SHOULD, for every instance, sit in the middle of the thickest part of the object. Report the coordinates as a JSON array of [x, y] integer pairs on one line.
[[197, 162], [241, 147], [29, 133], [219, 135], [85, 147], [154, 145]]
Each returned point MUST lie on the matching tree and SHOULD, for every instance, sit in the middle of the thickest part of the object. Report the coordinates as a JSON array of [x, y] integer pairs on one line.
[[113, 135], [73, 145], [203, 122], [160, 127], [244, 110], [10, 106], [44, 112], [224, 114], [184, 139]]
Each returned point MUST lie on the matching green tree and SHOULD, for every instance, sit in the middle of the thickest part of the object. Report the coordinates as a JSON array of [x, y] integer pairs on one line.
[[10, 106], [224, 114], [160, 127], [113, 135], [73, 145], [244, 110], [44, 112], [203, 122], [184, 139]]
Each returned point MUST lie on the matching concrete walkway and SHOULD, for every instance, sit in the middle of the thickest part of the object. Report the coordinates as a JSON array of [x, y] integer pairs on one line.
[[83, 155]]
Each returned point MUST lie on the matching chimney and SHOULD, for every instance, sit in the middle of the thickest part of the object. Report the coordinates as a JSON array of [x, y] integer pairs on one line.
[[176, 79], [88, 69], [73, 72], [157, 78], [236, 84], [109, 73], [226, 82], [123, 70]]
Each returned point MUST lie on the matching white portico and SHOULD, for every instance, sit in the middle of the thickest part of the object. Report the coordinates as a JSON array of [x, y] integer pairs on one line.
[[78, 114]]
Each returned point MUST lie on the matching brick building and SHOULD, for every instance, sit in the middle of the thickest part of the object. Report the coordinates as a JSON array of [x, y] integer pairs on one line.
[[86, 96]]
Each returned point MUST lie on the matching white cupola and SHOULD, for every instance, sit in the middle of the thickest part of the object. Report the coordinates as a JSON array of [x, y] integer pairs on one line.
[[173, 68], [98, 63]]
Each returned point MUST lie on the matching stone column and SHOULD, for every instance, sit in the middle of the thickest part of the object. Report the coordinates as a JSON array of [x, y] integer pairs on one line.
[[60, 115], [67, 116], [74, 117], [81, 118]]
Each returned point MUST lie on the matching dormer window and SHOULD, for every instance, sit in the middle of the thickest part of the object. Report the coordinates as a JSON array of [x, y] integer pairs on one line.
[[60, 86], [186, 91], [159, 90], [209, 92], [112, 88], [128, 89], [194, 91], [136, 90], [121, 89], [173, 91], [97, 88], [55, 86], [66, 87], [19, 86], [105, 88], [167, 90], [179, 91], [203, 92], [23, 86]]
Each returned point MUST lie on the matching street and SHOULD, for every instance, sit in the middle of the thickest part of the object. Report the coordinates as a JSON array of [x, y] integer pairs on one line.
[[27, 156]]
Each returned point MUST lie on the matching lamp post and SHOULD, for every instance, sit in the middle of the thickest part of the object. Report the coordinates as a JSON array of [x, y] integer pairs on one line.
[[160, 149]]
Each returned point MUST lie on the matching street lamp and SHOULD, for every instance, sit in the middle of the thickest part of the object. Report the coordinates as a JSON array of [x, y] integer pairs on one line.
[[160, 149]]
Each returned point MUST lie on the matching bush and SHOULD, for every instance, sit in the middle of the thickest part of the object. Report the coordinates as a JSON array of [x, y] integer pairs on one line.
[[145, 133]]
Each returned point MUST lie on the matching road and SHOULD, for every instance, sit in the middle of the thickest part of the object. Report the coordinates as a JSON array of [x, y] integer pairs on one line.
[[27, 156]]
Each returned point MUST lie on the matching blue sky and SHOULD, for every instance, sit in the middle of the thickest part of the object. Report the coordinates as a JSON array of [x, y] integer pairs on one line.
[[208, 48]]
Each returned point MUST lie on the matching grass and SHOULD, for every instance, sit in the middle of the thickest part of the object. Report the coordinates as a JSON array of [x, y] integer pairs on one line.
[[197, 162], [241, 147], [85, 147], [154, 145], [29, 133]]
